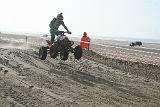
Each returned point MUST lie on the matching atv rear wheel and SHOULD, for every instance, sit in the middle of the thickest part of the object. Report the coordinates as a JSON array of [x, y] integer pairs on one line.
[[64, 55], [42, 53], [54, 51], [78, 52]]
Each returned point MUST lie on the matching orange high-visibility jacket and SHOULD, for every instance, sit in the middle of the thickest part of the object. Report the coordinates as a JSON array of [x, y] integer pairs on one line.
[[85, 42], [85, 38]]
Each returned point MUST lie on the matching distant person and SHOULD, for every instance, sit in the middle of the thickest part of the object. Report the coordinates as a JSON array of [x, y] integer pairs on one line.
[[85, 41], [54, 25]]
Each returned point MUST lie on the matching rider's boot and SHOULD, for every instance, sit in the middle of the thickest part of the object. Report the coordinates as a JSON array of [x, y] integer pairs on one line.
[[52, 41]]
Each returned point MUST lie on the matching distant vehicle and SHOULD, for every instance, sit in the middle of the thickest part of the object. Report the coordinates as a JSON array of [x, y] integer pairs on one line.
[[45, 35], [137, 43]]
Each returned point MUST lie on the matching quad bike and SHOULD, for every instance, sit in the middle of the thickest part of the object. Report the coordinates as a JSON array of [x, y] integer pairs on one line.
[[61, 46]]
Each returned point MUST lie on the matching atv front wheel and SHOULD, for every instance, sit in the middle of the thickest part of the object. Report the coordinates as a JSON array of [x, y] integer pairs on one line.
[[54, 51], [42, 53], [78, 52], [64, 55]]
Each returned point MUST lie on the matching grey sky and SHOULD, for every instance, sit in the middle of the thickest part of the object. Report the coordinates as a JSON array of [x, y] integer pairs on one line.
[[121, 18]]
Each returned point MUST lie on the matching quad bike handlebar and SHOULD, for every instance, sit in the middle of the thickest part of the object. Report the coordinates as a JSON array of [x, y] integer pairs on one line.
[[62, 32]]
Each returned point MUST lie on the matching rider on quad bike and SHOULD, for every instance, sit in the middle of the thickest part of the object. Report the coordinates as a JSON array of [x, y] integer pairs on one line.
[[54, 25], [61, 46]]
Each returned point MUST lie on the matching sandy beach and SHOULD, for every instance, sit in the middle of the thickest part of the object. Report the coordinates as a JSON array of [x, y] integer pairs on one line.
[[110, 74]]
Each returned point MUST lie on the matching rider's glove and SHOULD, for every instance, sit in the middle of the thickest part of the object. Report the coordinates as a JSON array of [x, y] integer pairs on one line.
[[69, 32]]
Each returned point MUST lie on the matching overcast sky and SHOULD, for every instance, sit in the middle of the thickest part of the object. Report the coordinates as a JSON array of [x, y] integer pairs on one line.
[[121, 18]]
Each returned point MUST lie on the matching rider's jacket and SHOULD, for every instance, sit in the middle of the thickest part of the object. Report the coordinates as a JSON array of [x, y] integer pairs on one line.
[[54, 24]]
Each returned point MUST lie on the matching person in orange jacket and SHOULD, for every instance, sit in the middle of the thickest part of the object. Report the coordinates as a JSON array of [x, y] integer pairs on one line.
[[85, 40]]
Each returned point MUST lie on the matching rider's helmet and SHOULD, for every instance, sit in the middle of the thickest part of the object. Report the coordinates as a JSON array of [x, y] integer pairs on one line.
[[60, 17]]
